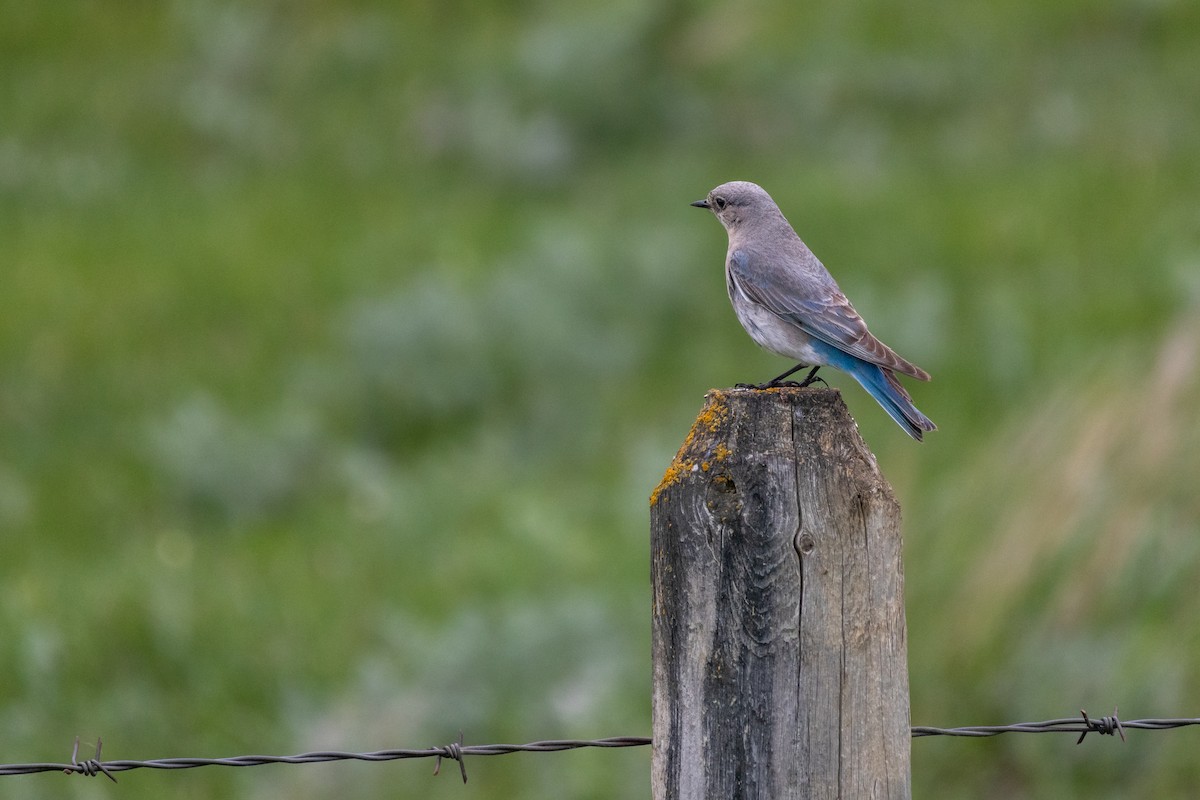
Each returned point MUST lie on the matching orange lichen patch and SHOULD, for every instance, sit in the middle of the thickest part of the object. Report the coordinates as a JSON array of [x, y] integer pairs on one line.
[[698, 451], [669, 478]]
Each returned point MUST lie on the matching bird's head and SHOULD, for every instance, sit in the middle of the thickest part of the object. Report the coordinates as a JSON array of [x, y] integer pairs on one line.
[[738, 201]]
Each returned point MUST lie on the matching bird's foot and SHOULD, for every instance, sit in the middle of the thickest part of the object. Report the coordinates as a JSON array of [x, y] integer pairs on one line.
[[779, 382], [768, 385], [811, 378]]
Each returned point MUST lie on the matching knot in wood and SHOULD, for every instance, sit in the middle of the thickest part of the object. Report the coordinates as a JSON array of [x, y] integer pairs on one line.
[[724, 483]]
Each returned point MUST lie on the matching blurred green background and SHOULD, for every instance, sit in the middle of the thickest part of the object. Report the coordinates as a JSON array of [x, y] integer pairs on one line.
[[341, 345]]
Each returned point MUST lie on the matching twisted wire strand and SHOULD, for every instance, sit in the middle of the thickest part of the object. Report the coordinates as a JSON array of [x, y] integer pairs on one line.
[[457, 751]]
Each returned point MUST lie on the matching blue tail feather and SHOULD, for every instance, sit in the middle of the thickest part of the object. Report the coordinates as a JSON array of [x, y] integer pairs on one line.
[[882, 385]]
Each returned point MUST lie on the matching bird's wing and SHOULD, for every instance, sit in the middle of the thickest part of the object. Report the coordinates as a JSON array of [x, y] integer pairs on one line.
[[819, 308]]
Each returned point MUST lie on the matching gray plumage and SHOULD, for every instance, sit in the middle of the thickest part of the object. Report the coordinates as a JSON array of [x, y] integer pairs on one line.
[[790, 305]]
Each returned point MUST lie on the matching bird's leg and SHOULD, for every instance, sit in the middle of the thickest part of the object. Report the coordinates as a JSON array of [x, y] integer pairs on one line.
[[778, 381], [812, 376], [774, 382]]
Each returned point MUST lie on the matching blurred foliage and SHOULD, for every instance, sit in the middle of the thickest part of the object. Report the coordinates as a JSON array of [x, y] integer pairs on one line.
[[341, 345]]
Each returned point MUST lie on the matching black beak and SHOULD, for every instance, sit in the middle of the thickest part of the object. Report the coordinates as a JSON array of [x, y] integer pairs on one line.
[[701, 204]]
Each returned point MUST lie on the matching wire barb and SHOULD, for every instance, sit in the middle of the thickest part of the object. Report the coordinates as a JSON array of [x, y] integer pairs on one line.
[[1105, 726], [453, 750], [93, 766]]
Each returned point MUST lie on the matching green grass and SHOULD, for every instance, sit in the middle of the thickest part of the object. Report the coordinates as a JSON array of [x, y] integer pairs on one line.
[[341, 346]]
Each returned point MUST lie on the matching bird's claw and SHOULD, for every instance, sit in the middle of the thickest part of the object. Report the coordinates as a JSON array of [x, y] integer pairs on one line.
[[769, 385]]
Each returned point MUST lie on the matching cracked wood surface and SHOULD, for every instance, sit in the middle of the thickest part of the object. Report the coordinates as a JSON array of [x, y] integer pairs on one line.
[[779, 654]]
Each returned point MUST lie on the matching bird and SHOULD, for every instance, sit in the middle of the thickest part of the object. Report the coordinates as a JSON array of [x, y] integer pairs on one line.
[[791, 306]]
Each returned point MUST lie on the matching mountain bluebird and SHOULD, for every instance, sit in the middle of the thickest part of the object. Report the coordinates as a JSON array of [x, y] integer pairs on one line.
[[790, 305]]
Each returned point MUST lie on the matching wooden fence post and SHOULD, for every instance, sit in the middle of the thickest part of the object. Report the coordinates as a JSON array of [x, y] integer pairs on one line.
[[780, 663]]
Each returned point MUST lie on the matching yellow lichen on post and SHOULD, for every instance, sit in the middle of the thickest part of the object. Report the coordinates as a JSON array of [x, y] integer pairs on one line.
[[698, 450]]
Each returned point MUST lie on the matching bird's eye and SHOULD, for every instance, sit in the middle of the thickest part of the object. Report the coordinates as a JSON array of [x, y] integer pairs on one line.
[[720, 203]]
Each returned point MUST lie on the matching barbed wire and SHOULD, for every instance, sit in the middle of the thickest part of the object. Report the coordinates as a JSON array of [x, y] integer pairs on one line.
[[457, 751], [1083, 725]]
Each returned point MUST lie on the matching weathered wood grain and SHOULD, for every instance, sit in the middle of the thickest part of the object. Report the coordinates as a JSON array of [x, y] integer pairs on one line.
[[780, 663]]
